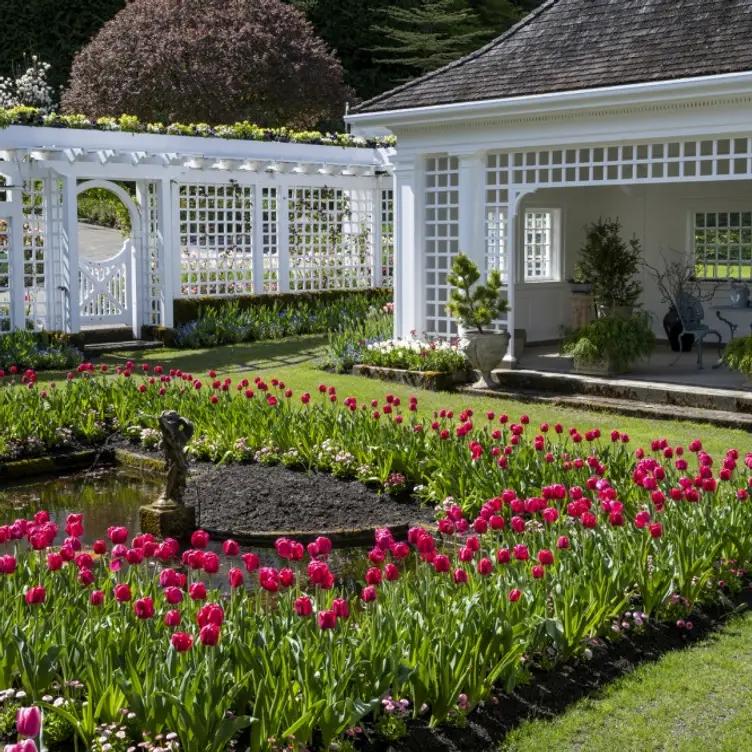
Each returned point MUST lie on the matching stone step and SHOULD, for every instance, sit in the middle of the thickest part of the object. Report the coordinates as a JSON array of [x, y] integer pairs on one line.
[[626, 390], [628, 407]]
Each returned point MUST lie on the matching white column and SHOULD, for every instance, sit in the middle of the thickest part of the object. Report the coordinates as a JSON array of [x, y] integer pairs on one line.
[[169, 250], [472, 237], [69, 255], [409, 263], [510, 249], [257, 243], [283, 238], [377, 252], [140, 299]]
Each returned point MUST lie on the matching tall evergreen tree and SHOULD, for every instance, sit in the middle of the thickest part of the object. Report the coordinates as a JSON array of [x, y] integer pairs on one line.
[[429, 35]]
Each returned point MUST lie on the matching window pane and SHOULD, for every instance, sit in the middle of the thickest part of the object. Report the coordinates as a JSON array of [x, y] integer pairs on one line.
[[539, 245], [723, 245]]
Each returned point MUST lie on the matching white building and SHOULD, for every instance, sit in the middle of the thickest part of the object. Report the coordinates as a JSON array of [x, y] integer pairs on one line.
[[636, 109]]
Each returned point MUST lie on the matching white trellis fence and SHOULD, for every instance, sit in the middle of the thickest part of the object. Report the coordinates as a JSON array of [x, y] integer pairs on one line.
[[209, 217]]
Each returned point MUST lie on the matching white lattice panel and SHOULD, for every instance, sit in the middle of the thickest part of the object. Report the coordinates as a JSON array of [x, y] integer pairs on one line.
[[387, 237], [497, 196], [270, 238], [216, 239], [329, 239], [153, 273], [441, 240], [5, 320], [35, 251]]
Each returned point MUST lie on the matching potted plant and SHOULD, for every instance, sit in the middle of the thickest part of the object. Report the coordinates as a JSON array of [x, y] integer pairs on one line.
[[738, 355], [610, 345], [675, 281], [609, 265], [475, 306]]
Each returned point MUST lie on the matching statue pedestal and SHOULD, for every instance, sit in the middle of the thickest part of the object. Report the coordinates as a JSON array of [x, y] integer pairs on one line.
[[167, 520]]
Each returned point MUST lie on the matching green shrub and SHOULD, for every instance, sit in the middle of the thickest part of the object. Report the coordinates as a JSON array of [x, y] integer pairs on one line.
[[348, 342], [619, 340], [231, 322], [101, 207], [474, 305], [38, 350], [738, 355]]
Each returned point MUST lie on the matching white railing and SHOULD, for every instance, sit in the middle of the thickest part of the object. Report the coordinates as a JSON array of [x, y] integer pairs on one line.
[[105, 293]]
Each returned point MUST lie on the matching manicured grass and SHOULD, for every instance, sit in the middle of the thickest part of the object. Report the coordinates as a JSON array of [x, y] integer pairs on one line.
[[694, 700], [294, 361]]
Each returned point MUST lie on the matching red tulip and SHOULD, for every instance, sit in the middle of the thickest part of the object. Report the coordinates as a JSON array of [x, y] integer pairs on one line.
[[54, 562], [173, 595], [211, 562], [211, 613], [117, 534], [35, 595], [303, 606], [515, 595], [391, 572], [286, 577], [251, 562], [122, 592], [373, 576], [545, 557], [485, 566], [96, 598], [144, 608], [235, 577], [209, 635], [656, 530], [341, 608], [368, 594], [562, 542], [230, 547], [460, 576], [200, 539], [181, 641], [327, 619], [172, 618]]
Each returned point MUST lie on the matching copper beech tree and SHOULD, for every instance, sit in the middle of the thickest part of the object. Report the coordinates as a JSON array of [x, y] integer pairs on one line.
[[215, 61]]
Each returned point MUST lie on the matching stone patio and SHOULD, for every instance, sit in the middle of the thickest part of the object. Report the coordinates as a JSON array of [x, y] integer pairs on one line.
[[667, 379]]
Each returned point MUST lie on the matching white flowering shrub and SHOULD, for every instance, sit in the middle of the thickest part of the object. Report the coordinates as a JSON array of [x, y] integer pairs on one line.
[[30, 89]]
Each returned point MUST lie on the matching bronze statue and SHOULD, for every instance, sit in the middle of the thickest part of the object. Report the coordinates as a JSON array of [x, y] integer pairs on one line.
[[176, 433]]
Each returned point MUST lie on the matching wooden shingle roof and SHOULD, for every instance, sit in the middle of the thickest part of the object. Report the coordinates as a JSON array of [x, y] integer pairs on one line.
[[580, 44]]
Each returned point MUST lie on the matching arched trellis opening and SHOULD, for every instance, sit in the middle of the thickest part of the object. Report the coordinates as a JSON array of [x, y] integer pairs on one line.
[[107, 282]]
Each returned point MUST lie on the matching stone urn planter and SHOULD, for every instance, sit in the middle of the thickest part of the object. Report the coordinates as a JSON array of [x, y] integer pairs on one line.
[[484, 351]]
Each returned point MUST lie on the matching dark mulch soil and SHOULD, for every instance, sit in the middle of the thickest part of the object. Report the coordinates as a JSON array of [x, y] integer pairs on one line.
[[258, 498]]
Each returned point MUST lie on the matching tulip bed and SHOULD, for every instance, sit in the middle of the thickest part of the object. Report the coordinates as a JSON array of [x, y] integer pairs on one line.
[[548, 537]]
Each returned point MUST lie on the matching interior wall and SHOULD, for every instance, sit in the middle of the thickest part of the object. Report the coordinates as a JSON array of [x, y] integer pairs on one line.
[[660, 216]]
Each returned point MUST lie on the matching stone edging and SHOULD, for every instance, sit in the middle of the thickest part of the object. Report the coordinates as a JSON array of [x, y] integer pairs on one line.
[[433, 380]]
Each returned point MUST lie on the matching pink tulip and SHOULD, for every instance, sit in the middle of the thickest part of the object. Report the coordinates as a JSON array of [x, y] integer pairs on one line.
[[122, 592], [303, 606], [209, 635], [144, 608], [230, 547], [235, 577], [197, 591], [327, 619], [172, 618], [181, 641], [29, 721], [200, 539]]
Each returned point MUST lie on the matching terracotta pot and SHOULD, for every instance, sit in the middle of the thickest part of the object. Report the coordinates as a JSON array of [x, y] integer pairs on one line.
[[484, 351]]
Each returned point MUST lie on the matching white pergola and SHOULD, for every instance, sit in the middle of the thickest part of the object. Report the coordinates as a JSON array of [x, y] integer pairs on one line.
[[465, 171], [210, 217]]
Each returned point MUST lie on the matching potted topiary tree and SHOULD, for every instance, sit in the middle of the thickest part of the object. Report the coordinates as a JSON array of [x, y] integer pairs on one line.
[[475, 306], [610, 265]]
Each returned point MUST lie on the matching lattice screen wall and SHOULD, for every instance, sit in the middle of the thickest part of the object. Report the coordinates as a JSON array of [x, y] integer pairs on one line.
[[387, 237], [35, 238], [270, 238], [5, 308], [152, 269], [216, 239], [330, 238], [441, 240]]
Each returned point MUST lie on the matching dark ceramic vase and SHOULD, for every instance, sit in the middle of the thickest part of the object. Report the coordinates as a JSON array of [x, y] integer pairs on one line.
[[672, 326]]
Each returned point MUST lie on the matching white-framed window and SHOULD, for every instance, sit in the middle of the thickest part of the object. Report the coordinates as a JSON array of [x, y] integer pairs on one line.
[[723, 244], [541, 241]]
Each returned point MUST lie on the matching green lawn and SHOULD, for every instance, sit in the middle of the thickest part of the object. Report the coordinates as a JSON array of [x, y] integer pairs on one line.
[[294, 361], [694, 700]]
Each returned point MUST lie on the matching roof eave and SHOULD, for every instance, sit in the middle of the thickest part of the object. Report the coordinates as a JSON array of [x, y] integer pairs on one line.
[[581, 99]]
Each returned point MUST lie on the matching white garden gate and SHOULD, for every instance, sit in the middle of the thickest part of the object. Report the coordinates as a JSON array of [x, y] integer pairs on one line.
[[106, 286]]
